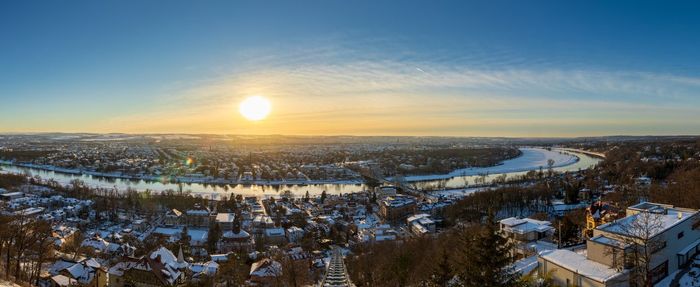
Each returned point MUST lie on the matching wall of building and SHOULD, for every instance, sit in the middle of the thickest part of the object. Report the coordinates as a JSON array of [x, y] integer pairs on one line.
[[559, 275]]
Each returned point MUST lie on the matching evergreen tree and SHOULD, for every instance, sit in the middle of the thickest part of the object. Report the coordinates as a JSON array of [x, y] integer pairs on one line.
[[488, 259], [185, 238], [323, 196], [213, 236]]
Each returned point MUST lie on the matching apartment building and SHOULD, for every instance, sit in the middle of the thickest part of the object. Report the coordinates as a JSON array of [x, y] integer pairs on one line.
[[397, 207], [670, 234]]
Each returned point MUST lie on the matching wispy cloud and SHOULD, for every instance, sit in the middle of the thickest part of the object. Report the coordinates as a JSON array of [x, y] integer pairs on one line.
[[334, 91]]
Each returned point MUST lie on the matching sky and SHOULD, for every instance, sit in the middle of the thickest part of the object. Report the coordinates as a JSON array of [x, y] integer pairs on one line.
[[422, 68]]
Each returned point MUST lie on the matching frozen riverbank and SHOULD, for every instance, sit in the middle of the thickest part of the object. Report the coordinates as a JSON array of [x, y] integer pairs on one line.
[[530, 159]]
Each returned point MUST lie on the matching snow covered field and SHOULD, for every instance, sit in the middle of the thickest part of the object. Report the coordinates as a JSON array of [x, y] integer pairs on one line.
[[531, 158]]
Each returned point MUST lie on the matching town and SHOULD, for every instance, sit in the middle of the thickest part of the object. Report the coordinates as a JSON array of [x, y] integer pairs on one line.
[[230, 159], [365, 143], [625, 221]]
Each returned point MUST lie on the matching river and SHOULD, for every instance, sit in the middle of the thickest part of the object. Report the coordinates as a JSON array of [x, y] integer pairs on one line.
[[530, 159]]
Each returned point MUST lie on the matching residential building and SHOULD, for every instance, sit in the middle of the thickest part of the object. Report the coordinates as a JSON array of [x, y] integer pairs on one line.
[[597, 214], [527, 235], [670, 234], [160, 268], [236, 239], [173, 217], [275, 236], [396, 208], [421, 224], [86, 272], [225, 220], [198, 216], [265, 272], [294, 234]]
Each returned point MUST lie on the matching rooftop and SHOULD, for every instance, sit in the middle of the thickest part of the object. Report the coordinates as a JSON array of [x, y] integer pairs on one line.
[[660, 217], [579, 263], [525, 225]]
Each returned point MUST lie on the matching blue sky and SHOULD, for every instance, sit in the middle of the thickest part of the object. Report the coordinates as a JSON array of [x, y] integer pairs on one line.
[[466, 68]]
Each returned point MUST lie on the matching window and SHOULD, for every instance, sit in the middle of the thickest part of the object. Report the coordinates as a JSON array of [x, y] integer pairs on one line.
[[680, 235], [657, 246], [659, 272]]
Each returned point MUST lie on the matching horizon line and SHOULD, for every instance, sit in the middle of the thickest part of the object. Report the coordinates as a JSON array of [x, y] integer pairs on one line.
[[358, 136]]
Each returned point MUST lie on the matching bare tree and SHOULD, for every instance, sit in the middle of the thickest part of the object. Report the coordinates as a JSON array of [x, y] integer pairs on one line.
[[639, 237]]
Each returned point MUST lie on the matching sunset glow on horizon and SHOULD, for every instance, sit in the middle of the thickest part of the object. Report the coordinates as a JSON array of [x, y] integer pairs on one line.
[[473, 71]]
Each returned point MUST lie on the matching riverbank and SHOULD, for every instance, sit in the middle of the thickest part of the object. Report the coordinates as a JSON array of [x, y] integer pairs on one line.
[[530, 159], [300, 188], [178, 179]]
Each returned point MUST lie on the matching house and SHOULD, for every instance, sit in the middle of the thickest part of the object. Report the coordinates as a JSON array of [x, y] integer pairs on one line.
[[597, 214], [225, 220], [294, 234], [670, 234], [527, 235], [86, 272], [421, 224], [198, 216], [236, 239], [265, 272], [160, 268], [173, 217], [275, 236], [204, 269], [260, 223]]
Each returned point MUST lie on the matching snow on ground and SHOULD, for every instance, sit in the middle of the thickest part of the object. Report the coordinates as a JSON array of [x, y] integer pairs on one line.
[[530, 159], [692, 278], [456, 193], [197, 236]]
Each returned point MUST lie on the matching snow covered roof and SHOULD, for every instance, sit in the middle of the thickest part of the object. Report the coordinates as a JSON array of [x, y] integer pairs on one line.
[[62, 280], [209, 268], [81, 272], [219, 257], [417, 217], [525, 225], [96, 242], [241, 234], [225, 217], [664, 218], [398, 201], [580, 264], [274, 231], [60, 265], [266, 268]]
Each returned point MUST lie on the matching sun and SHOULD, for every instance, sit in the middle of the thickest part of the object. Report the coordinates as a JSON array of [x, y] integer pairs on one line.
[[255, 108]]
